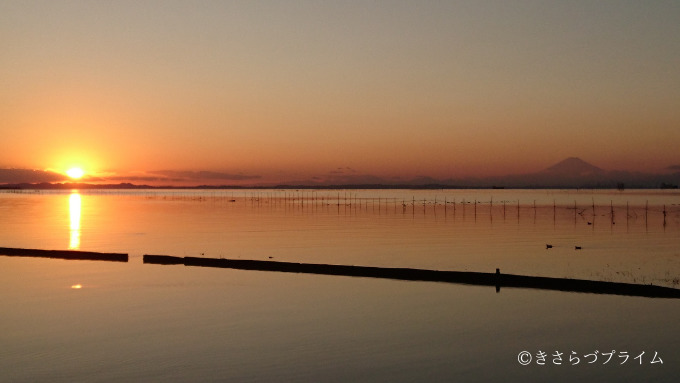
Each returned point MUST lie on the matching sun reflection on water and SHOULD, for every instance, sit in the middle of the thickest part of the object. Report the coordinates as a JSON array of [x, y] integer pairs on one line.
[[74, 204]]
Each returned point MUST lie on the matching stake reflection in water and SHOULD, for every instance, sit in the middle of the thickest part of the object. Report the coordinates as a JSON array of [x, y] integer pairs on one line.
[[74, 204]]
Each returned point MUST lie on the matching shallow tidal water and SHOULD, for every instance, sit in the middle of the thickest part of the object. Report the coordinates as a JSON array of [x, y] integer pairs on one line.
[[110, 321]]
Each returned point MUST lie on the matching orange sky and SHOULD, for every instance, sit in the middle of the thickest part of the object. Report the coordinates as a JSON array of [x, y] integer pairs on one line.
[[275, 91]]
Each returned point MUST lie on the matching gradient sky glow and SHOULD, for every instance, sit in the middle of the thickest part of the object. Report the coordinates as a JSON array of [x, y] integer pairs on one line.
[[287, 90]]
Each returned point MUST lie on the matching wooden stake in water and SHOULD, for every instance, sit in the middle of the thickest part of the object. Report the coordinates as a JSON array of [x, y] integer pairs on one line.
[[593, 209], [491, 208], [664, 214], [646, 210]]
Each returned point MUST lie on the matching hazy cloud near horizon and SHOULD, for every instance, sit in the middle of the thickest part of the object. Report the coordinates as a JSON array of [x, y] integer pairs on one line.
[[571, 171], [141, 178], [344, 170], [185, 175], [33, 176], [18, 176]]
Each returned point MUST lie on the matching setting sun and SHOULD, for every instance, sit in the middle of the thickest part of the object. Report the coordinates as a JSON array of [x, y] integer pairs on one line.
[[75, 173]]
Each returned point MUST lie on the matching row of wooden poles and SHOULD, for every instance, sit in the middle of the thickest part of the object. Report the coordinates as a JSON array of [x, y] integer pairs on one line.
[[353, 201], [313, 199]]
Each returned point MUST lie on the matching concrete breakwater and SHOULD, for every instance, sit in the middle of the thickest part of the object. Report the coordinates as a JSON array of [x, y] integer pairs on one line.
[[64, 254], [496, 279]]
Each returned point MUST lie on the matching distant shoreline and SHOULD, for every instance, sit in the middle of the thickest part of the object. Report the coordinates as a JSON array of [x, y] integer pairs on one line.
[[129, 186]]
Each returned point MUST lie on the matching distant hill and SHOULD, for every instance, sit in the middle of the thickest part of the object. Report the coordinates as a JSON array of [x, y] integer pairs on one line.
[[74, 185], [573, 172], [570, 173], [573, 166]]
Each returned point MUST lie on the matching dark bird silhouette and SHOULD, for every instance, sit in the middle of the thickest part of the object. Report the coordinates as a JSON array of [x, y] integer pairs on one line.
[[548, 246], [577, 247]]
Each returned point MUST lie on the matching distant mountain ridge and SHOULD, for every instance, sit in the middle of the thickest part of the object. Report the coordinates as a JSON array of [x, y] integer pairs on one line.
[[574, 166], [574, 172], [569, 173]]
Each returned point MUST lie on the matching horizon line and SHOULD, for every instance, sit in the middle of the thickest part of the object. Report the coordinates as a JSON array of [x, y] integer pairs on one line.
[[431, 186]]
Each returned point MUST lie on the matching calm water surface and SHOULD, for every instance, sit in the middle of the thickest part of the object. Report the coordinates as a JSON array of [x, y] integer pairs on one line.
[[131, 321]]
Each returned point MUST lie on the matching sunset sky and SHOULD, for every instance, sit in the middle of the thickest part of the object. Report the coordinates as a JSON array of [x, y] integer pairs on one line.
[[249, 92]]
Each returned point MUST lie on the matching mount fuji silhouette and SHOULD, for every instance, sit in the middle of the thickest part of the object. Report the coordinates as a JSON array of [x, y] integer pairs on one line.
[[569, 173], [574, 172], [574, 166]]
